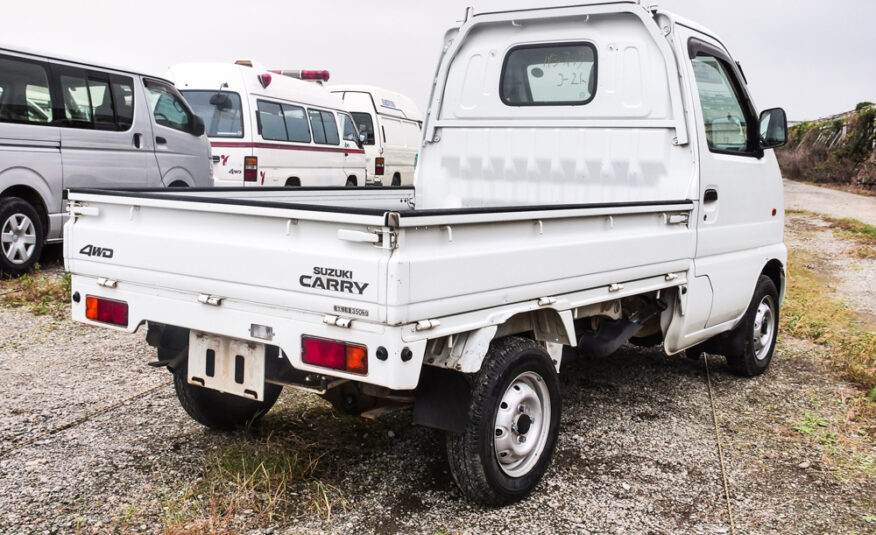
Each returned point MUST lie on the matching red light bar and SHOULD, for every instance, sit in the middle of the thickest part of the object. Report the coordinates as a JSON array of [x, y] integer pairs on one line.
[[334, 354], [106, 310], [321, 76]]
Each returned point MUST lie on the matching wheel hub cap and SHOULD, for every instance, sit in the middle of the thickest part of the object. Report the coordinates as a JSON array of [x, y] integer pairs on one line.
[[18, 238], [522, 422], [764, 327]]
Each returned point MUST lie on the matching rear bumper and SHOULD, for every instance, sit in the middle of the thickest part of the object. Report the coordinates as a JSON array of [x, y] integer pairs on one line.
[[234, 318]]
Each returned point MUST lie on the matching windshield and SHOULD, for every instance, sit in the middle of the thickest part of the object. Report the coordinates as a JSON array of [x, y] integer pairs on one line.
[[365, 126], [223, 119]]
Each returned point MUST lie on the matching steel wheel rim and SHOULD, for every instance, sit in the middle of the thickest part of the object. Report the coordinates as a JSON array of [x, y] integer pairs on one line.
[[522, 423], [764, 327], [18, 238]]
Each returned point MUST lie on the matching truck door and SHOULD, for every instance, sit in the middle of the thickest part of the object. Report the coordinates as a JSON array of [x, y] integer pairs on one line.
[[740, 191]]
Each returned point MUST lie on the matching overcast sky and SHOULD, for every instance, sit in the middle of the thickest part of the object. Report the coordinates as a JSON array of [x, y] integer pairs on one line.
[[812, 57]]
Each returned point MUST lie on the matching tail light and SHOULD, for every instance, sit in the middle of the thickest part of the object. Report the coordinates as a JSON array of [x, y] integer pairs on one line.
[[378, 166], [250, 169], [334, 354], [106, 310]]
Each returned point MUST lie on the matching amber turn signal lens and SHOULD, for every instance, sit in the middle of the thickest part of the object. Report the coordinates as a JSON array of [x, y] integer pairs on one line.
[[357, 359]]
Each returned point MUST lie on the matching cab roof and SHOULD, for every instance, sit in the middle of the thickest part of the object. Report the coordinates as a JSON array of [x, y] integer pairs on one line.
[[386, 101], [84, 63]]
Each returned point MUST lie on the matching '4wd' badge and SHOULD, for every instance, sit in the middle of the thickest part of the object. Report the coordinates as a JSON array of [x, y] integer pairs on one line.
[[93, 250]]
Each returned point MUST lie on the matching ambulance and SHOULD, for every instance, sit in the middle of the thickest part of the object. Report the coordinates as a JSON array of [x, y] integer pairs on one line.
[[268, 128]]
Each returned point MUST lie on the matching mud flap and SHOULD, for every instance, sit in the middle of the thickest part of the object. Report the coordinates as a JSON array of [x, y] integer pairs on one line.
[[442, 399]]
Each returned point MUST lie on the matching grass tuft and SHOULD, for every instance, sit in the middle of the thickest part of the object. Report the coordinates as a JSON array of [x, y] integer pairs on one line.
[[41, 293]]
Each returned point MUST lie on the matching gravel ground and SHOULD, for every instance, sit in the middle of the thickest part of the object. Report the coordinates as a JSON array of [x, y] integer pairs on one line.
[[637, 451]]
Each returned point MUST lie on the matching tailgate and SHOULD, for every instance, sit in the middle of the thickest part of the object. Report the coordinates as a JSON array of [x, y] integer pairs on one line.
[[307, 258]]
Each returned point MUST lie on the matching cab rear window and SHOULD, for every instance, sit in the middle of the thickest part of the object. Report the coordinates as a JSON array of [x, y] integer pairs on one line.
[[556, 74], [220, 111]]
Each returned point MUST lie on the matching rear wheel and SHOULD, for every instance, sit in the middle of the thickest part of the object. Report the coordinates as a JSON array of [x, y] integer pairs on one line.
[[293, 182], [219, 410], [351, 181], [754, 339], [513, 424], [396, 179], [21, 236]]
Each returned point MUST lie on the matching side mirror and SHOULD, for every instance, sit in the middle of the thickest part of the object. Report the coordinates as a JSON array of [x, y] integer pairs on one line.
[[198, 126], [773, 128], [361, 141], [220, 100]]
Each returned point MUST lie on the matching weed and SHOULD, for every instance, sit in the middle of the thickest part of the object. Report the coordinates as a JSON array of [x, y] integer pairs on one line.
[[810, 424], [41, 293]]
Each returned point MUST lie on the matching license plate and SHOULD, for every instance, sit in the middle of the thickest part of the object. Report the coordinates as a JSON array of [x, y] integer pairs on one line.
[[227, 365]]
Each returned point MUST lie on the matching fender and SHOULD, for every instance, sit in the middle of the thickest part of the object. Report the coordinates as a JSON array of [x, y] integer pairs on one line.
[[177, 174], [23, 176]]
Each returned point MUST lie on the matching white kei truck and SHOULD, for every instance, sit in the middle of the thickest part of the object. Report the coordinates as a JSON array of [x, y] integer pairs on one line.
[[589, 176]]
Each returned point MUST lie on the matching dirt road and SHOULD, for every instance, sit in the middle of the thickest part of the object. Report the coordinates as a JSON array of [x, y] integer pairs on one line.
[[637, 454], [830, 202]]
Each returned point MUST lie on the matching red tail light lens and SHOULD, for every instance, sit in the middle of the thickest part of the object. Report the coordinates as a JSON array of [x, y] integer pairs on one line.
[[250, 169], [334, 354], [378, 166], [106, 310]]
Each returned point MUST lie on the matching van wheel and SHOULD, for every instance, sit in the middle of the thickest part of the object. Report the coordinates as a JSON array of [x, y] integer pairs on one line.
[[754, 339], [514, 416], [178, 184], [293, 182], [21, 236], [396, 180], [352, 182], [218, 410]]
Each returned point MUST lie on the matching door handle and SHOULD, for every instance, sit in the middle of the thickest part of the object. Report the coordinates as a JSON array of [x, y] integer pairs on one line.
[[711, 195], [160, 140], [137, 140]]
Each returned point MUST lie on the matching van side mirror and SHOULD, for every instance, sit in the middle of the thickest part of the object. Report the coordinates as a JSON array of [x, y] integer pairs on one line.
[[198, 126], [220, 100], [361, 141], [773, 128]]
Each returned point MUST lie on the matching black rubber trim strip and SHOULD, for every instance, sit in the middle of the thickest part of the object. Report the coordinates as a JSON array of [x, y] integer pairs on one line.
[[536, 208]]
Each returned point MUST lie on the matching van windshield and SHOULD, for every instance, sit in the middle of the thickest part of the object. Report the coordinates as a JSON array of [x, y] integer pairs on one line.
[[365, 126], [223, 118]]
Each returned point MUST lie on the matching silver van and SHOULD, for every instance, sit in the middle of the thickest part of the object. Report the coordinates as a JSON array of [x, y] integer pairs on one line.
[[67, 124]]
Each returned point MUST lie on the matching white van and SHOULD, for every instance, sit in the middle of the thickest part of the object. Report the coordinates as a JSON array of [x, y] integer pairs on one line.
[[267, 129], [391, 123], [68, 124]]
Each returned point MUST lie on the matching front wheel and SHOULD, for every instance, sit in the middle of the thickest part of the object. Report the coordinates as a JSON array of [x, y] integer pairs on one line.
[[755, 336], [21, 236], [219, 410], [514, 417]]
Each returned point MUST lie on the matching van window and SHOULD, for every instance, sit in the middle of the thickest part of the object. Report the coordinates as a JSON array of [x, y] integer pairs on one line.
[[168, 107], [222, 119], [549, 75], [123, 100], [325, 130], [101, 104], [24, 92], [271, 121], [348, 129], [77, 102], [365, 125], [725, 122], [296, 124]]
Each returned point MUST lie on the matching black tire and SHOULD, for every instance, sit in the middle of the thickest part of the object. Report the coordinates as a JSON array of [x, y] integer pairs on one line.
[[352, 182], [396, 180], [178, 184], [750, 355], [218, 410], [21, 236], [293, 182], [472, 454]]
